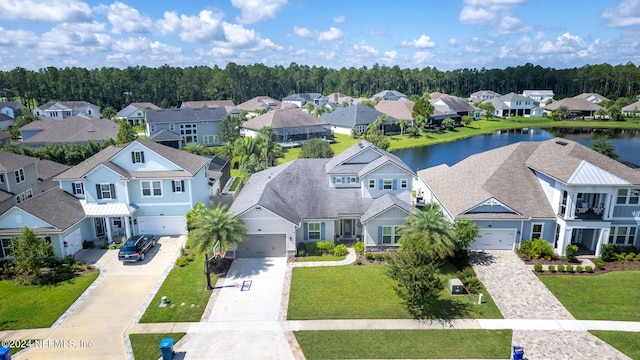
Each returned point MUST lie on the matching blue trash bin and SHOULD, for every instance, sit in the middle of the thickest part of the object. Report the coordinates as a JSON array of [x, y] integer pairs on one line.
[[166, 348], [5, 353], [518, 353]]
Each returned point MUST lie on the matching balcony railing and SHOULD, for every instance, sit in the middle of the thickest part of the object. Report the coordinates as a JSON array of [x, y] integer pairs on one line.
[[590, 213]]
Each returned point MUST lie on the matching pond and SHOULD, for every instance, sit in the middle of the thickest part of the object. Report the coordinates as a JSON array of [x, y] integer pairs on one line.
[[626, 142]]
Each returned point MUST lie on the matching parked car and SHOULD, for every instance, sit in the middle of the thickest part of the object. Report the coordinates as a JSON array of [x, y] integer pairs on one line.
[[135, 247]]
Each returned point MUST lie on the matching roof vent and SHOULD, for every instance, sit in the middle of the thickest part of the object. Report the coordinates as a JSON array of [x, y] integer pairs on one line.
[[563, 143]]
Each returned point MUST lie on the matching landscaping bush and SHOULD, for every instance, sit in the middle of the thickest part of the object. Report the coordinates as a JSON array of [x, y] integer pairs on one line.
[[358, 247], [181, 261], [190, 257], [537, 267], [571, 251], [631, 256], [599, 263], [579, 269], [7, 270], [620, 257], [608, 252], [588, 269], [302, 249], [570, 268], [312, 249], [358, 262], [379, 257], [525, 250], [541, 249], [469, 279], [87, 244], [340, 250], [561, 268], [387, 257], [638, 257], [369, 256], [552, 268], [325, 247]]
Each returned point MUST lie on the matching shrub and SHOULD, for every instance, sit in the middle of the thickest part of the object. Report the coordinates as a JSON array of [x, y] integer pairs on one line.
[[537, 267], [561, 268], [468, 277], [387, 257], [190, 257], [369, 256], [114, 246], [340, 250], [302, 252], [302, 249], [579, 269], [312, 249], [552, 268], [87, 244], [525, 250], [541, 249], [358, 262], [325, 247], [571, 251], [588, 269], [358, 247], [181, 261], [379, 257], [599, 263], [631, 256], [620, 257], [570, 268], [608, 252], [638, 257]]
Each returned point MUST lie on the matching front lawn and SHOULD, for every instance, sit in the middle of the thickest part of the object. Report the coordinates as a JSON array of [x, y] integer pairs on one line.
[[626, 342], [405, 344], [365, 292], [186, 290], [145, 346], [30, 307], [608, 296]]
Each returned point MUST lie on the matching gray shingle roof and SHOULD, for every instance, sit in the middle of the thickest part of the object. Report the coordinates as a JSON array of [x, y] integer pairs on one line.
[[455, 104], [10, 161], [284, 118], [41, 124], [340, 164], [48, 169], [165, 135], [382, 204], [514, 97], [207, 103], [165, 116], [74, 129], [260, 102], [351, 116], [74, 105], [56, 207], [11, 104], [574, 104]]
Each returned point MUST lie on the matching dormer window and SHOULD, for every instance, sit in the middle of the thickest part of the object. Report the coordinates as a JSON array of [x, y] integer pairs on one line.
[[19, 174], [137, 157]]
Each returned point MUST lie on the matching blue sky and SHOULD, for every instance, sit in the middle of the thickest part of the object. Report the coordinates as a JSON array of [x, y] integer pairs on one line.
[[445, 34]]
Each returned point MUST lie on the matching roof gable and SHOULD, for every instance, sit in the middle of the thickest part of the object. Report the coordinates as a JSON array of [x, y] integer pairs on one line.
[[491, 206], [588, 174], [17, 218]]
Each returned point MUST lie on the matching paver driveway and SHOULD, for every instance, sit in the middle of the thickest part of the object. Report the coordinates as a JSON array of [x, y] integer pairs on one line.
[[104, 314]]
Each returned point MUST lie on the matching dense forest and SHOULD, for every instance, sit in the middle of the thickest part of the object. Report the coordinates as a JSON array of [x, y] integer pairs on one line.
[[168, 86]]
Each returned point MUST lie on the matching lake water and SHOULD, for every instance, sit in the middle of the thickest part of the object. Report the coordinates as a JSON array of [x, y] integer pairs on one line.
[[626, 142]]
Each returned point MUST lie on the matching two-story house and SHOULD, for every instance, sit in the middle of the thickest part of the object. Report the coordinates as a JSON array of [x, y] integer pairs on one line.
[[300, 100], [362, 193], [455, 105], [482, 95], [557, 190], [201, 125], [8, 114], [541, 96], [134, 112], [59, 110]]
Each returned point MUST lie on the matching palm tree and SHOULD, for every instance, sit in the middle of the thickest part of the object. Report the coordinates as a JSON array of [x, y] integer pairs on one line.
[[402, 123], [216, 224], [600, 113], [379, 121], [428, 231]]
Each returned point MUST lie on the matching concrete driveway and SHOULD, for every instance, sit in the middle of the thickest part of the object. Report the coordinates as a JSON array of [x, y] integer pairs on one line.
[[96, 323], [243, 323]]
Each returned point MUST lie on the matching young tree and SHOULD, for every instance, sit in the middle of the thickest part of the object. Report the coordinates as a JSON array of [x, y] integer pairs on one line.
[[448, 124], [216, 224], [422, 109], [316, 148], [230, 128], [430, 232], [605, 147], [126, 133], [378, 140], [29, 253], [600, 113], [109, 113], [402, 124], [563, 112], [467, 120], [488, 109], [195, 148]]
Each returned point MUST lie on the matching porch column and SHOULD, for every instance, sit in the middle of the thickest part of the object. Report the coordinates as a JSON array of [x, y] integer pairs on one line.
[[127, 226], [107, 221], [563, 240], [602, 239], [570, 211]]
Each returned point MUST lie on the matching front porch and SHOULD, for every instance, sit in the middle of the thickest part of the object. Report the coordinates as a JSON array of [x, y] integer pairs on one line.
[[112, 222]]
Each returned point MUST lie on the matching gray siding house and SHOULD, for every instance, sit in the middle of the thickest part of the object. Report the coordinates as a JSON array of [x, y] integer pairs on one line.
[[200, 125]]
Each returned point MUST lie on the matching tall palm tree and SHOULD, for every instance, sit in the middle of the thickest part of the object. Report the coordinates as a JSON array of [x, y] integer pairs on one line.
[[216, 224], [402, 123], [428, 231]]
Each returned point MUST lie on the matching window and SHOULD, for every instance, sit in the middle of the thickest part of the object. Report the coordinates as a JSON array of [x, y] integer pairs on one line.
[[29, 193], [314, 231], [628, 197], [338, 180], [19, 174], [151, 188], [210, 139], [372, 184], [353, 180], [78, 188], [634, 196], [172, 127], [1, 178], [6, 248], [622, 196], [404, 183], [106, 191], [536, 231], [622, 235], [152, 128], [137, 157], [387, 184], [177, 185], [189, 133], [390, 235]]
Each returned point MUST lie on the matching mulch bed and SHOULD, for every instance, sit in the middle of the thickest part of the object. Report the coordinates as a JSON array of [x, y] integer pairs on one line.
[[608, 266]]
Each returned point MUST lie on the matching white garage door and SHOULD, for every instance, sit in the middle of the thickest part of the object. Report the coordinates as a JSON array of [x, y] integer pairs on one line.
[[494, 239], [162, 225], [272, 245], [73, 242]]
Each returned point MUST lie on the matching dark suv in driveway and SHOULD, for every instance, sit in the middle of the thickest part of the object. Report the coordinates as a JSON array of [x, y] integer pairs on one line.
[[135, 247]]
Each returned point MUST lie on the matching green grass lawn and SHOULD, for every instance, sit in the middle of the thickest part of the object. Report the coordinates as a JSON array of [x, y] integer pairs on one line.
[[626, 342], [320, 258], [145, 346], [405, 344], [29, 307], [183, 285], [365, 292], [598, 297]]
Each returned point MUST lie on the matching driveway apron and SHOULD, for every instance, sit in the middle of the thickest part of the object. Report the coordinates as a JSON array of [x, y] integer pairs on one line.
[[243, 323]]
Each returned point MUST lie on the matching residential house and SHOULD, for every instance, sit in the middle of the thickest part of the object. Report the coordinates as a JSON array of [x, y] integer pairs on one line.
[[291, 125], [339, 99], [207, 104], [22, 177], [389, 95], [357, 117], [260, 103], [362, 193], [199, 125], [455, 105], [541, 96], [168, 138], [482, 95], [300, 100], [134, 112], [437, 95], [632, 109], [396, 109], [8, 114], [592, 97], [557, 190], [579, 107], [5, 138], [72, 130], [513, 104], [218, 174], [59, 110]]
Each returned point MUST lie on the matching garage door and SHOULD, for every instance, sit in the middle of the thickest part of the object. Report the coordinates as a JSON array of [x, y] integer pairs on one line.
[[162, 225], [495, 239], [73, 242], [263, 246]]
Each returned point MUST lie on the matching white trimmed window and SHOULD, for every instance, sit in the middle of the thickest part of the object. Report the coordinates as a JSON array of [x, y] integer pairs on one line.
[[137, 157], [28, 193], [152, 128], [353, 179], [536, 231], [372, 183], [177, 185], [19, 174], [78, 188], [151, 188], [314, 231], [404, 183], [387, 184], [105, 191], [628, 197], [210, 139], [622, 235], [390, 235], [6, 247], [189, 133]]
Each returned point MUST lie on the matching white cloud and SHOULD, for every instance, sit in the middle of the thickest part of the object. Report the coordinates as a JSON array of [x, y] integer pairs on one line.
[[366, 49], [302, 32], [330, 35], [253, 11], [422, 56], [205, 27], [19, 38], [510, 24], [339, 19], [125, 19], [46, 10], [75, 39], [453, 41], [476, 15], [627, 13], [471, 49], [423, 42]]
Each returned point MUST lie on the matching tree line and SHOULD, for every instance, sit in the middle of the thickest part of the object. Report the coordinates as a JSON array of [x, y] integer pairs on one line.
[[168, 86]]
